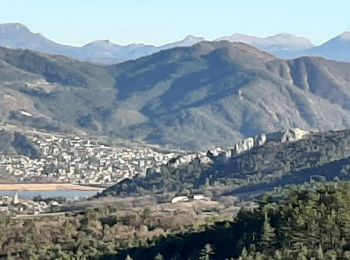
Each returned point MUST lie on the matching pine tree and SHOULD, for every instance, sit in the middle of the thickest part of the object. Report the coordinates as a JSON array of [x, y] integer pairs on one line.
[[158, 257], [320, 253], [128, 257], [206, 253], [244, 255], [268, 234]]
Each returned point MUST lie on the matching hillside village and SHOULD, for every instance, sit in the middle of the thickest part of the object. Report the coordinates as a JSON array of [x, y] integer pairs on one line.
[[78, 160], [87, 161]]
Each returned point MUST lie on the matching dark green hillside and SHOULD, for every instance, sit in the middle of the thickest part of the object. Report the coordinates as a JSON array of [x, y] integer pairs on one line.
[[303, 222]]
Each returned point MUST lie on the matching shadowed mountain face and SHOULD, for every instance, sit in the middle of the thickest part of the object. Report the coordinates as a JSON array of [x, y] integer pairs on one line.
[[195, 97], [218, 91]]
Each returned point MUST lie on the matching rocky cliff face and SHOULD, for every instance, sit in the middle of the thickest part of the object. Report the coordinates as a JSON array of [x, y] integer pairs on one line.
[[221, 155], [289, 135]]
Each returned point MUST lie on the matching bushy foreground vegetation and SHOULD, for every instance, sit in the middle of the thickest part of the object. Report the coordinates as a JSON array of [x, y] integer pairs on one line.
[[311, 221], [304, 222], [91, 234]]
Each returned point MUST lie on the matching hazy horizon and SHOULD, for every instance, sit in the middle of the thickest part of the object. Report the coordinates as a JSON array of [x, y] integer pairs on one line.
[[155, 22]]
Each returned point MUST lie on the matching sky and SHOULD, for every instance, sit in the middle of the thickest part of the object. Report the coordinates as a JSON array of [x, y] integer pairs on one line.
[[77, 22]]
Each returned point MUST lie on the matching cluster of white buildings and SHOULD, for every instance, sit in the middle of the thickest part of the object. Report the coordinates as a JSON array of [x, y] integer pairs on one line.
[[14, 206], [197, 197], [71, 159]]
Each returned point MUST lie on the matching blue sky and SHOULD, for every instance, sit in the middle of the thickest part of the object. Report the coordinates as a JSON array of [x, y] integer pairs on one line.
[[77, 22]]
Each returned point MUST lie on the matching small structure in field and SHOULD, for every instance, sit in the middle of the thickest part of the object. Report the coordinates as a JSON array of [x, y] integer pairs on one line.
[[201, 197], [180, 199]]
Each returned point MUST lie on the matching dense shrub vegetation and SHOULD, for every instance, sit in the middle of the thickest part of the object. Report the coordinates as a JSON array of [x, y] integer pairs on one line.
[[93, 233], [303, 222]]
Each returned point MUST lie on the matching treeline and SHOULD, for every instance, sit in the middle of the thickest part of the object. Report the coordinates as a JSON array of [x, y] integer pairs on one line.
[[91, 234], [268, 166], [303, 222], [310, 221]]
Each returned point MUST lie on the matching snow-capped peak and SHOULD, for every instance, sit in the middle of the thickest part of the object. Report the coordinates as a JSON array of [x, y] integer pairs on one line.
[[345, 36]]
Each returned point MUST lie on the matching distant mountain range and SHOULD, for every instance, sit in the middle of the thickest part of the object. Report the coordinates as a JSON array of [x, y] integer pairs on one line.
[[212, 93], [18, 36], [282, 45], [337, 48]]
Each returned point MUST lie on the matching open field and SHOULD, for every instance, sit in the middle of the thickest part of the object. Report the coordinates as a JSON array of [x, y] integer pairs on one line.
[[46, 187]]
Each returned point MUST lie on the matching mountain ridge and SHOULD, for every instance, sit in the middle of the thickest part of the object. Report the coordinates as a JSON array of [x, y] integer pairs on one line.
[[188, 97], [337, 48], [283, 45]]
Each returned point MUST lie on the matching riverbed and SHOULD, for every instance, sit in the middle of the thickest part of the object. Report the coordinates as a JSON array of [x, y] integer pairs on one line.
[[68, 194], [47, 190]]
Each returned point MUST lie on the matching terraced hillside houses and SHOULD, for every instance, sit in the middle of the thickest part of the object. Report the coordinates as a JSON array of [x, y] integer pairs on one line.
[[81, 160]]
